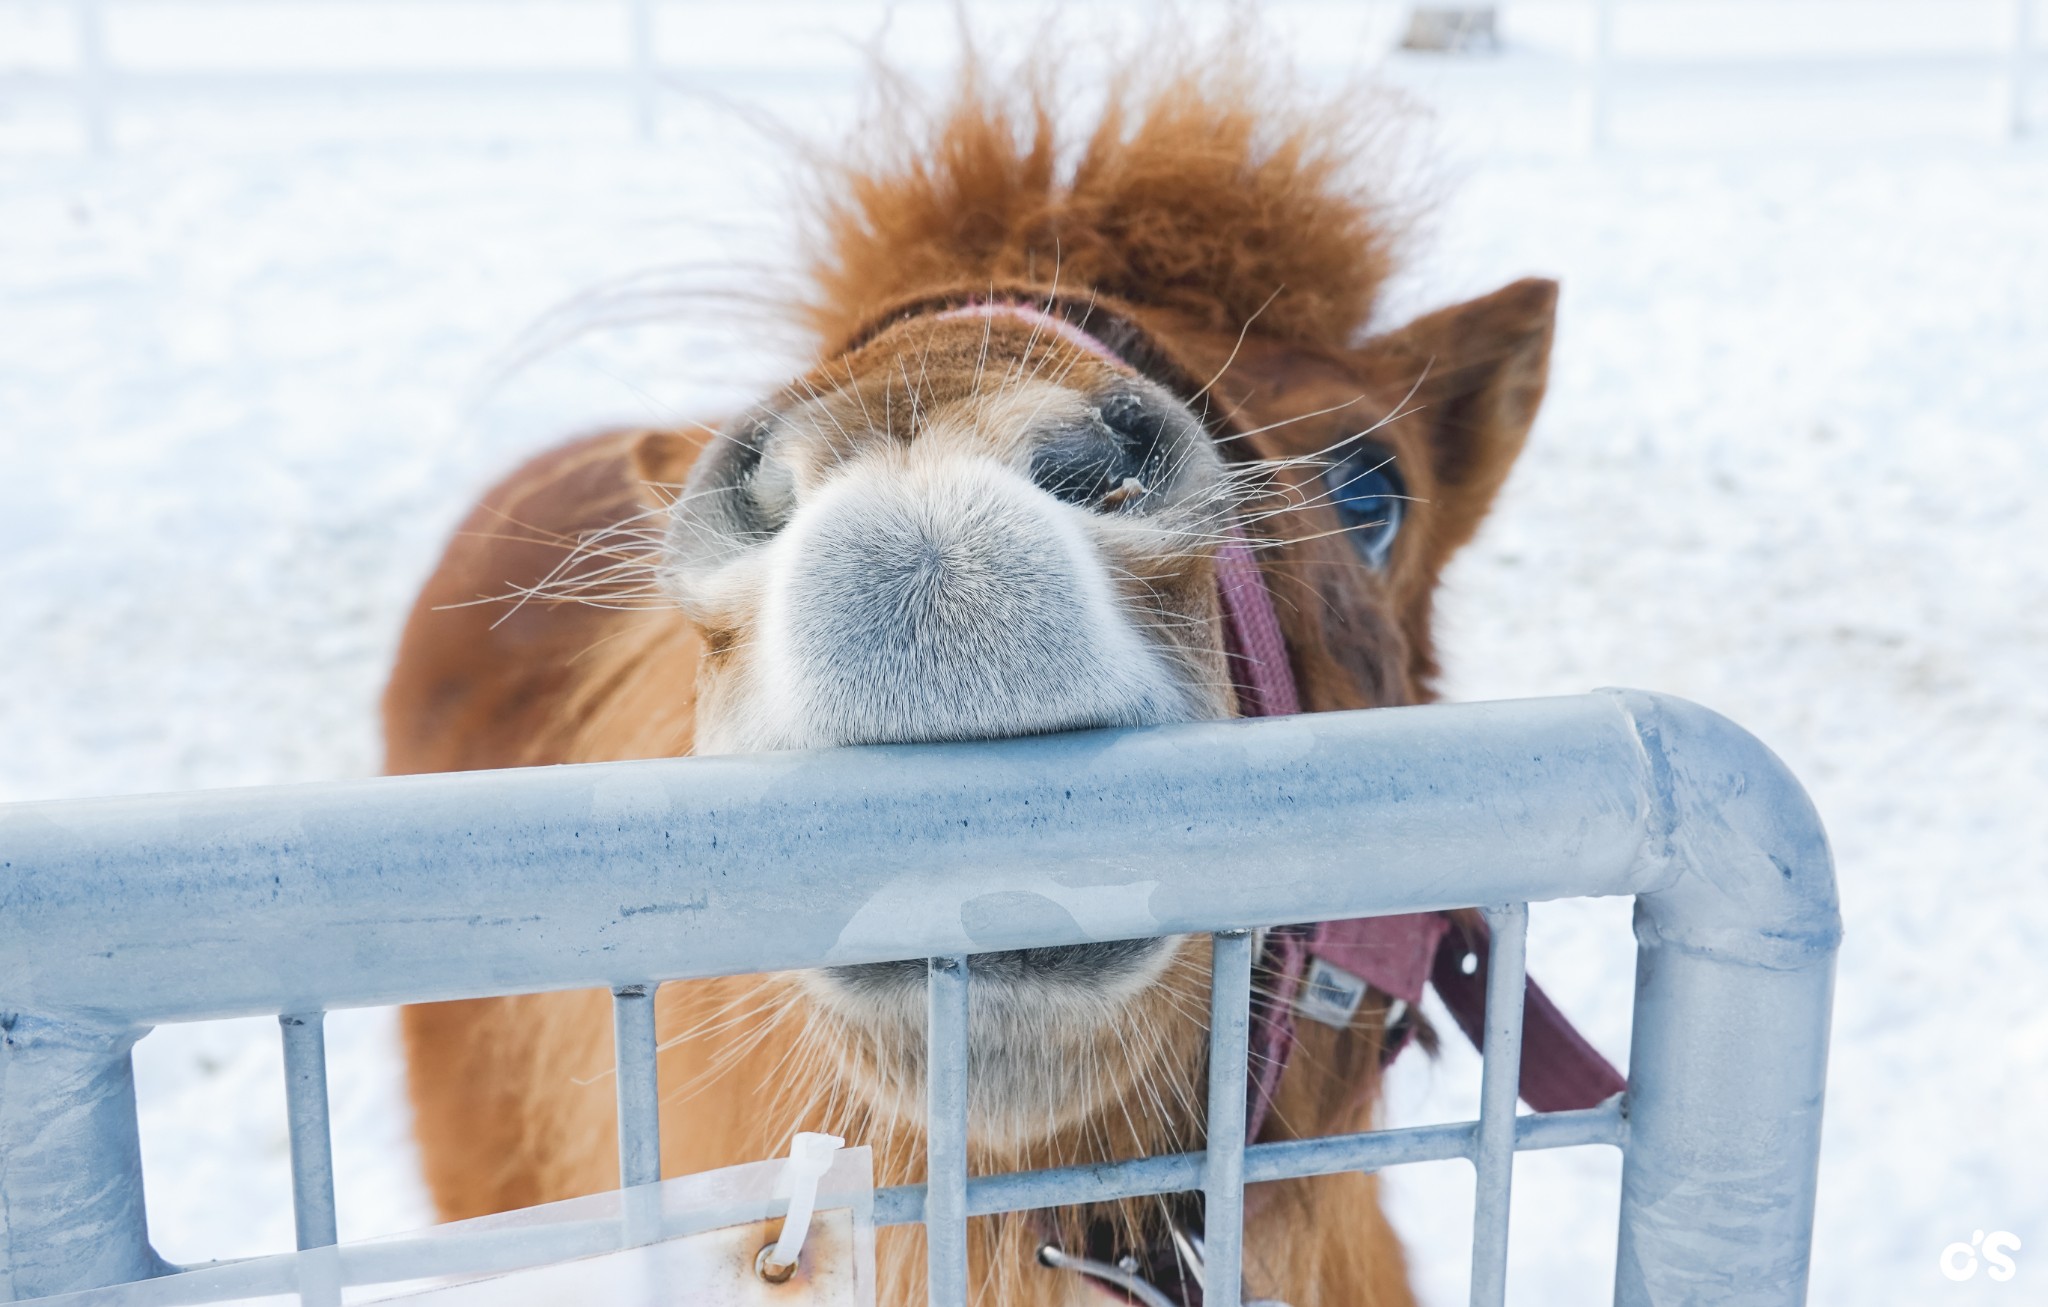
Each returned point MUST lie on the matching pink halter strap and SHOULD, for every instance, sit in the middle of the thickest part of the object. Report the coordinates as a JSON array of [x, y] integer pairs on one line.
[[1251, 634], [1037, 319], [1391, 954], [1398, 955]]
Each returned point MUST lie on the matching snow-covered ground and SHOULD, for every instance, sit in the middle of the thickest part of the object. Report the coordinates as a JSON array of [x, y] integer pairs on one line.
[[253, 368]]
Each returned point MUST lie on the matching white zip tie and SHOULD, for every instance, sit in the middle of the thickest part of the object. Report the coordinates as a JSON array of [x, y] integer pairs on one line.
[[810, 1156]]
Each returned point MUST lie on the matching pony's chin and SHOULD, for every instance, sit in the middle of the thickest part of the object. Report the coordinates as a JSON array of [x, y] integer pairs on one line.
[[1057, 980], [1039, 1023]]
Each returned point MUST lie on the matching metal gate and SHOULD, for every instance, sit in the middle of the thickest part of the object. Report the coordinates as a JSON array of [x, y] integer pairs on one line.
[[120, 914]]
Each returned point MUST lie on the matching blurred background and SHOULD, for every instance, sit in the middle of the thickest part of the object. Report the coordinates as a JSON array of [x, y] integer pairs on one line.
[[285, 283]]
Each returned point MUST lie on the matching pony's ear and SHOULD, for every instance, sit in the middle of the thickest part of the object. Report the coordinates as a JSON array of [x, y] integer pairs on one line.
[[661, 463], [1479, 370]]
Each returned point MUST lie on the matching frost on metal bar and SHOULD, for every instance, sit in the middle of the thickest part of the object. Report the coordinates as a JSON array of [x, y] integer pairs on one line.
[[119, 914], [312, 1142]]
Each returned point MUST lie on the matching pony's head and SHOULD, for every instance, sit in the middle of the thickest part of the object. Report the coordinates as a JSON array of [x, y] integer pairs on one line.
[[969, 525], [1047, 396]]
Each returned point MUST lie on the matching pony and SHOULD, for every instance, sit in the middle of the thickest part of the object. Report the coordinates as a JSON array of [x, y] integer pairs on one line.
[[1056, 376]]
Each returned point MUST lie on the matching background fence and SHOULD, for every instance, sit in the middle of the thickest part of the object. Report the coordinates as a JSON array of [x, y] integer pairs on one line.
[[109, 61]]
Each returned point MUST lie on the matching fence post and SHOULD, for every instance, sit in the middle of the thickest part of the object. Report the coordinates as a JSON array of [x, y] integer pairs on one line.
[[646, 94], [71, 1211], [89, 36], [2019, 64], [1734, 984], [1597, 90]]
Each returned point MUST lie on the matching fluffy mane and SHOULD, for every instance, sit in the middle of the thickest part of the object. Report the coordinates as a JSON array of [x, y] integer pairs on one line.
[[1213, 191]]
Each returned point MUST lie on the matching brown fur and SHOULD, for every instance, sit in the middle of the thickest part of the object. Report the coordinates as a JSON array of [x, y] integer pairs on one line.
[[1233, 234], [1203, 191]]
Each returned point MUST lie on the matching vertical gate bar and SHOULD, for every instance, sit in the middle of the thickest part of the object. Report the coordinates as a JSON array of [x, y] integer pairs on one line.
[[71, 1209], [312, 1139], [1500, 1083], [1230, 998], [945, 1192], [633, 1051], [1726, 1080], [1727, 1066]]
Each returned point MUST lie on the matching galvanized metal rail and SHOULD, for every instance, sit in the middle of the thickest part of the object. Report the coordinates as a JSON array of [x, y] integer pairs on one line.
[[117, 915]]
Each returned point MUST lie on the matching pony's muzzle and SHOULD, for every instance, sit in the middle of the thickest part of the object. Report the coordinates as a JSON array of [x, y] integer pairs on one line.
[[946, 600]]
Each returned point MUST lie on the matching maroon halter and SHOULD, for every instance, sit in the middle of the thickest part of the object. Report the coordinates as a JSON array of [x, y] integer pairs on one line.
[[1396, 955]]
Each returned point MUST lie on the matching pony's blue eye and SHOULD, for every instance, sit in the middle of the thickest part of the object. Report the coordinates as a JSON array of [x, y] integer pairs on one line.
[[1367, 491]]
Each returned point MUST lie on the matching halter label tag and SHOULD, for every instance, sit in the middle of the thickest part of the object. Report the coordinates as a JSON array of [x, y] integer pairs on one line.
[[1329, 994]]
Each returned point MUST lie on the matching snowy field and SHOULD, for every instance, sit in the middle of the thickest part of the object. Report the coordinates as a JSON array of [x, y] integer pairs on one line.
[[255, 365]]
